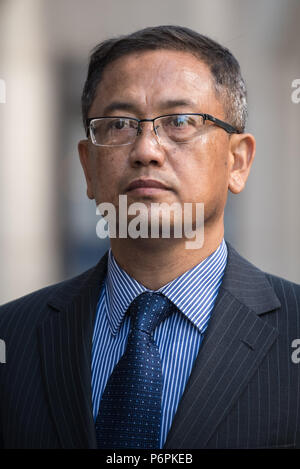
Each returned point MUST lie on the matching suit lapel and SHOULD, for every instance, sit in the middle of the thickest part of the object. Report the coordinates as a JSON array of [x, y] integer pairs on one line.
[[65, 340], [235, 343]]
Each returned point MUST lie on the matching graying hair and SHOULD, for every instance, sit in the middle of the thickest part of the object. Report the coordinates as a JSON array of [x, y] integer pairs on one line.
[[229, 84]]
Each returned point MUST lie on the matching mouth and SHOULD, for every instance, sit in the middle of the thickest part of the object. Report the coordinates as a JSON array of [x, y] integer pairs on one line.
[[146, 187]]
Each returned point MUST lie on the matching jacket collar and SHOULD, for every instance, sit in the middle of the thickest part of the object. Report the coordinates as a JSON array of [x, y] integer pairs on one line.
[[248, 284], [243, 280]]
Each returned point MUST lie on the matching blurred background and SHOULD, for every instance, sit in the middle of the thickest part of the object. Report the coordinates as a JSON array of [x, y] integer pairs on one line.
[[47, 224]]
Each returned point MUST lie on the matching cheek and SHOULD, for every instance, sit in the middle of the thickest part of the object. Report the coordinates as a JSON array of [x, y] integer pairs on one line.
[[106, 175], [214, 155], [204, 172]]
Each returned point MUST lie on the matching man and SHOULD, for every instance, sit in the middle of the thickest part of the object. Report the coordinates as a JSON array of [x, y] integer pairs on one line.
[[164, 110]]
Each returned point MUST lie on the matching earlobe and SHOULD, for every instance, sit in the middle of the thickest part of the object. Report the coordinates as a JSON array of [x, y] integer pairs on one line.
[[242, 152], [85, 157], [236, 184]]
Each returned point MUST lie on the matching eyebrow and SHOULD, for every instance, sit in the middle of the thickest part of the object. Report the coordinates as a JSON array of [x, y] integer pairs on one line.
[[119, 105], [130, 107]]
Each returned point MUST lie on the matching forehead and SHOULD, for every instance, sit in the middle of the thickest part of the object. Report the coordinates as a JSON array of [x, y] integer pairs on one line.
[[152, 80]]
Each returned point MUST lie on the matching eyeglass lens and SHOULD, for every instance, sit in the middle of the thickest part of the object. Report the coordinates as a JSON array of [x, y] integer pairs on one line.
[[123, 131]]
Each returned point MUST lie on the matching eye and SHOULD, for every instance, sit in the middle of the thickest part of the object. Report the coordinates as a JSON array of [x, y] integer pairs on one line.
[[119, 124], [180, 122]]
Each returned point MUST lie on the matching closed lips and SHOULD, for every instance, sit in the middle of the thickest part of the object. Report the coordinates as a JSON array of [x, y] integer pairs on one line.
[[146, 183]]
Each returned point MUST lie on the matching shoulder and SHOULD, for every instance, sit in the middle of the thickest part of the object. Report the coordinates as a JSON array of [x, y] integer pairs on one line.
[[285, 289], [260, 290], [239, 264], [35, 306]]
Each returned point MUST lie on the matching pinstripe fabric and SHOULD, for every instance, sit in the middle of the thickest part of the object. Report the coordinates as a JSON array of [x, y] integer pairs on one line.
[[178, 338], [243, 391], [241, 375]]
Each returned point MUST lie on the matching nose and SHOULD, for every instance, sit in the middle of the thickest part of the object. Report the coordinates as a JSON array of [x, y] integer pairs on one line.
[[146, 148]]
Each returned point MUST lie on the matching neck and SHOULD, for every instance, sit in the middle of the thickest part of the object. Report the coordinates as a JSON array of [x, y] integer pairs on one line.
[[156, 262]]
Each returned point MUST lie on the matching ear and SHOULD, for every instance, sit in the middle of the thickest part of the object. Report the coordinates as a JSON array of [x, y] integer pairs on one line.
[[242, 152], [85, 156]]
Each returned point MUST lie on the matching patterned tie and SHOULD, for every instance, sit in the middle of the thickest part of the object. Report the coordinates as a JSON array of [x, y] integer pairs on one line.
[[130, 409]]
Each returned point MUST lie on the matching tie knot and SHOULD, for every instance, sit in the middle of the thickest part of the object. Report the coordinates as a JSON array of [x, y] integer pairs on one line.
[[148, 310]]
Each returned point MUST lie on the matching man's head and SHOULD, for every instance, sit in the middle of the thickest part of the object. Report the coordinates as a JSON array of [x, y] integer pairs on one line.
[[138, 81], [225, 70]]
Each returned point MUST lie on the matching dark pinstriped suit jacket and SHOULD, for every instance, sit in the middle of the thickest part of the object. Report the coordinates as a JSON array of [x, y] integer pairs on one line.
[[244, 390]]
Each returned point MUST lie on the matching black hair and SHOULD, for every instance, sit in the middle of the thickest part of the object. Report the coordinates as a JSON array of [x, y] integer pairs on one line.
[[228, 81]]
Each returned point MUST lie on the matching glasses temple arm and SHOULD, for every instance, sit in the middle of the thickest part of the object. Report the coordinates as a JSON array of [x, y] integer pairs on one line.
[[229, 128]]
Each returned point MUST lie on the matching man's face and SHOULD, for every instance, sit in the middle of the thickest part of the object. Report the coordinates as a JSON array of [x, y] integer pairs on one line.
[[147, 85]]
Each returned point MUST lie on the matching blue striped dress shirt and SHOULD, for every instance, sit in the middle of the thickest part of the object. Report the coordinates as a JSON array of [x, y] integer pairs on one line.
[[178, 337]]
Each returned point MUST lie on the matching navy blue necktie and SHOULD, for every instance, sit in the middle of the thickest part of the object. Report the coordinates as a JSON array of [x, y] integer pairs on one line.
[[130, 409]]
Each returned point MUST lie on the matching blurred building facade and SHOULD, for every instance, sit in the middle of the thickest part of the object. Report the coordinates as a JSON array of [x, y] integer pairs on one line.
[[48, 226]]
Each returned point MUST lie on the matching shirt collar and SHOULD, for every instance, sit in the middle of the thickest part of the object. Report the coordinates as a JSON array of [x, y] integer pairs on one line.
[[193, 292]]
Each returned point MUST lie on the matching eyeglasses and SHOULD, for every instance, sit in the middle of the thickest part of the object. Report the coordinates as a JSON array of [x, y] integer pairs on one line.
[[178, 128]]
